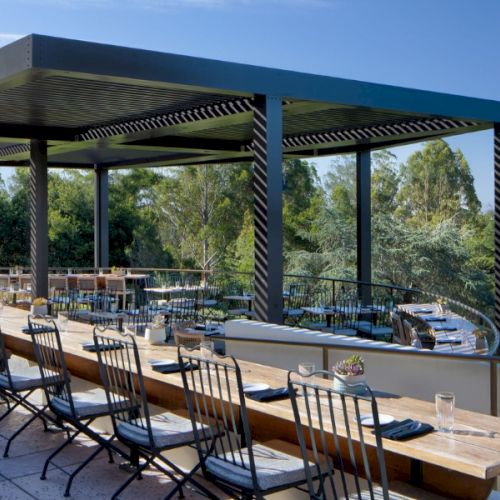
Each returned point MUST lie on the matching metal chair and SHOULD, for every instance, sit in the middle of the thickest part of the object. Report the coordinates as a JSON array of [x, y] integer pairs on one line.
[[228, 457], [17, 386], [79, 409], [341, 457], [379, 325], [299, 296], [146, 435]]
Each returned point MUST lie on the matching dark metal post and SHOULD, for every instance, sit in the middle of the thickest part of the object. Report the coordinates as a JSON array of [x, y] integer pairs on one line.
[[497, 223], [39, 214], [363, 202], [101, 221], [268, 217]]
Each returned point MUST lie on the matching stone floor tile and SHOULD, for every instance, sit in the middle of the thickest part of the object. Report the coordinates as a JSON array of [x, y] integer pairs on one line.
[[9, 491]]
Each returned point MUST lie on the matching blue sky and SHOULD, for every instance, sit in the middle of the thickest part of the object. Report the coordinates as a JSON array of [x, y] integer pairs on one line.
[[443, 45]]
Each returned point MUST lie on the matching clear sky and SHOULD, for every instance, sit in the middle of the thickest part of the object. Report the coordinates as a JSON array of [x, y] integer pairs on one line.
[[442, 45]]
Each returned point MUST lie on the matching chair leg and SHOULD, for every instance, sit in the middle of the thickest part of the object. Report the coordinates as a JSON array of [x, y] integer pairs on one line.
[[54, 453], [139, 470], [80, 467], [21, 429]]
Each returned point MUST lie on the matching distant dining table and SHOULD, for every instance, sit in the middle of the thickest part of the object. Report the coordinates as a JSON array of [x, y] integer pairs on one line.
[[330, 311], [459, 464], [452, 332]]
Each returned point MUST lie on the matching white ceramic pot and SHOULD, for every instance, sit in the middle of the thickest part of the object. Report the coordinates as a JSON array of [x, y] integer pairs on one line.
[[155, 335], [340, 383], [39, 310]]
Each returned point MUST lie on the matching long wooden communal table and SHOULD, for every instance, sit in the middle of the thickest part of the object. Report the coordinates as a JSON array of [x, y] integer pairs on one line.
[[462, 464]]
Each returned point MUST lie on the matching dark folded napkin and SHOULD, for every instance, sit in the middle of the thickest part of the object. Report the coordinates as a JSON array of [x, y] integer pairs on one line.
[[444, 328], [405, 429], [433, 318], [207, 328], [449, 341], [90, 346], [172, 367], [269, 394], [421, 311], [38, 329]]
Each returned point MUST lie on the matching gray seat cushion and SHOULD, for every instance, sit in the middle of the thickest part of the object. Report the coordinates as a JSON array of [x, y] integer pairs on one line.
[[274, 468], [168, 430], [87, 404], [23, 380]]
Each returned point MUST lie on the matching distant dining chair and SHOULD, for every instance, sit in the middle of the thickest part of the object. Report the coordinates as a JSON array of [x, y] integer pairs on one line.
[[116, 285], [4, 282], [78, 409], [147, 436], [332, 440], [229, 458], [299, 296]]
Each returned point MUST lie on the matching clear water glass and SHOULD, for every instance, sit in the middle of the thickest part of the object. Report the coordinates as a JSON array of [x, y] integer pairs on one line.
[[206, 349], [62, 320], [445, 407], [305, 369]]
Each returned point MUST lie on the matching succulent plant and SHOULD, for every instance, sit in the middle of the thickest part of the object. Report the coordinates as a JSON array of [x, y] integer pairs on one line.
[[158, 321], [353, 365], [39, 301], [480, 332]]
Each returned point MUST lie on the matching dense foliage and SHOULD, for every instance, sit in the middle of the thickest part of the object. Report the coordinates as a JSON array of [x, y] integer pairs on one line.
[[428, 229]]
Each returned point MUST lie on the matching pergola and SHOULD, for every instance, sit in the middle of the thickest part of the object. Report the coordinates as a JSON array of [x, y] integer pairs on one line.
[[74, 104]]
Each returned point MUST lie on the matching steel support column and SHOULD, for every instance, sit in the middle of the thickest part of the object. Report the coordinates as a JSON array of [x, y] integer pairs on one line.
[[497, 222], [39, 226], [268, 217], [101, 221], [363, 202]]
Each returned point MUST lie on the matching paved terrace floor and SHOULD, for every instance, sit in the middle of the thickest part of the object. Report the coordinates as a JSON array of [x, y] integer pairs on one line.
[[20, 473]]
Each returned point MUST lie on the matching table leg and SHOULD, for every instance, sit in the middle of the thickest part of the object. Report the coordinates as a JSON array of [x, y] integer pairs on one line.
[[415, 472]]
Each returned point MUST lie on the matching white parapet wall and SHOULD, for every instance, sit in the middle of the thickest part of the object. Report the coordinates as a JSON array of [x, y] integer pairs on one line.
[[389, 367]]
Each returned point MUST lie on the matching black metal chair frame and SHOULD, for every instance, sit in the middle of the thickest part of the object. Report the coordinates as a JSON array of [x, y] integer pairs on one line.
[[121, 373], [20, 398], [56, 383], [225, 426], [322, 464]]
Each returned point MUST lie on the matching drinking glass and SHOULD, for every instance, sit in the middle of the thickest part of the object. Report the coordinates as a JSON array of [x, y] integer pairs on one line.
[[206, 349], [305, 369], [62, 320], [445, 406]]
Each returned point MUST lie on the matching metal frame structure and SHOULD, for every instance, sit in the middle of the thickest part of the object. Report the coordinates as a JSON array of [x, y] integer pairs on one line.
[[101, 107]]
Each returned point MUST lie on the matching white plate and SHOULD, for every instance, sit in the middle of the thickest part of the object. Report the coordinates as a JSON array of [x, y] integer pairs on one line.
[[161, 362], [255, 387], [367, 419]]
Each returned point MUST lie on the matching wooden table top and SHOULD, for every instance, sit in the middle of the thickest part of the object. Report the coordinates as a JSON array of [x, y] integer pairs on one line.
[[473, 448]]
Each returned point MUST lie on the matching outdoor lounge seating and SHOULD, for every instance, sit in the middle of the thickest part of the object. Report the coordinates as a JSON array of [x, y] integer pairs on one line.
[[146, 435], [344, 460], [228, 456], [16, 387], [78, 409]]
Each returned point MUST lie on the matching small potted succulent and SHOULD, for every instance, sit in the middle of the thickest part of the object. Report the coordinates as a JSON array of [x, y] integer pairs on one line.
[[39, 306], [155, 331], [442, 305], [481, 334], [348, 372]]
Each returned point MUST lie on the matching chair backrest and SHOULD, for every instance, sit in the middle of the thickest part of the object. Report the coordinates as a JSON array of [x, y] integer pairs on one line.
[[58, 282], [4, 281], [184, 307], [4, 361], [347, 314], [328, 422], [216, 404], [398, 336], [121, 375], [50, 358], [86, 284], [407, 333], [299, 295], [115, 284], [187, 339]]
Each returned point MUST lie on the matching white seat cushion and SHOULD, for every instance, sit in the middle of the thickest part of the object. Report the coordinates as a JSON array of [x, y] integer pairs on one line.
[[273, 468], [168, 430], [87, 404]]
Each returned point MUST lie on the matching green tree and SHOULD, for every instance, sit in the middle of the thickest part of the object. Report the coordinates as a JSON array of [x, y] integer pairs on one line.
[[437, 185]]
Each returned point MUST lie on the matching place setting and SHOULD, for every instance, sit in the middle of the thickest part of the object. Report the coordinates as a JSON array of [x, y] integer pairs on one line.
[[264, 393]]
